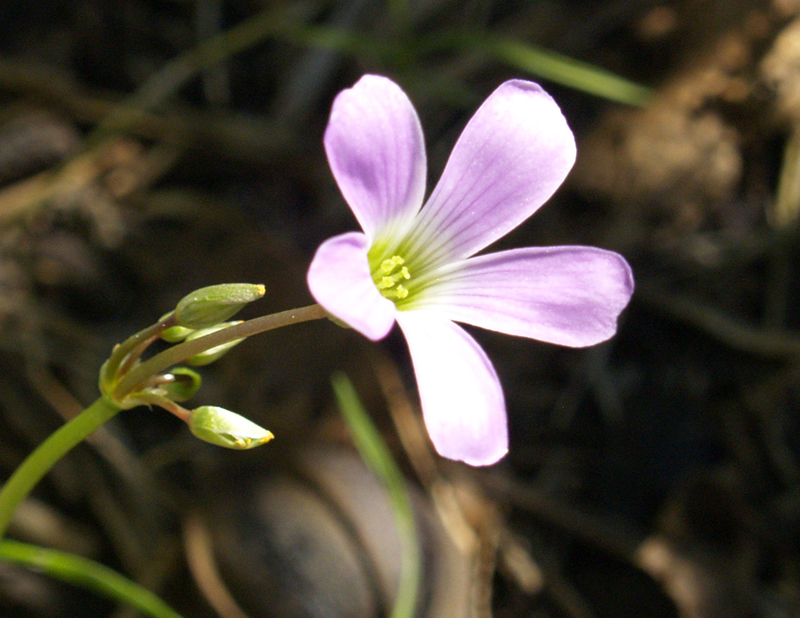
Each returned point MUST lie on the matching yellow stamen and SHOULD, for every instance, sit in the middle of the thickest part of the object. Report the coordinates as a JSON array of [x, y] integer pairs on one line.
[[389, 275]]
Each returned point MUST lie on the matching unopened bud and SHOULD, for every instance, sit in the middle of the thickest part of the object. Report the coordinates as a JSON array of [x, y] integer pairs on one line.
[[225, 428], [181, 384], [209, 306], [206, 357], [176, 334]]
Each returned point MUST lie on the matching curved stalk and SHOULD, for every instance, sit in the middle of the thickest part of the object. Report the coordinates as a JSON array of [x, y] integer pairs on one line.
[[39, 462]]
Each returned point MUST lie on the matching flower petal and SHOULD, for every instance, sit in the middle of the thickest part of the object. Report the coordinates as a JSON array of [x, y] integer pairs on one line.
[[511, 157], [571, 296], [376, 152], [340, 281], [462, 400]]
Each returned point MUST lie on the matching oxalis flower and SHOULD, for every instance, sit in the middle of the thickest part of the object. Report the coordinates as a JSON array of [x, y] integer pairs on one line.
[[416, 265]]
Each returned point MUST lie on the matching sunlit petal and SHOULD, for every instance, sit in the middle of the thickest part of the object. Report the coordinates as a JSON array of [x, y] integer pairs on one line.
[[571, 296], [511, 157], [340, 281], [462, 400], [376, 152]]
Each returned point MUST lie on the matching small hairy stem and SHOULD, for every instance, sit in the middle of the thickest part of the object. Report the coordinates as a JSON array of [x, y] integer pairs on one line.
[[167, 404], [39, 462], [182, 351], [122, 353]]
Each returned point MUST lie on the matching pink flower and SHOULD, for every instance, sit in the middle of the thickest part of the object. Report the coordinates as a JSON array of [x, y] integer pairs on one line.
[[417, 266]]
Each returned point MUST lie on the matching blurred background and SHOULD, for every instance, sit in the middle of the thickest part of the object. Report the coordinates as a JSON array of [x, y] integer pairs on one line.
[[151, 147]]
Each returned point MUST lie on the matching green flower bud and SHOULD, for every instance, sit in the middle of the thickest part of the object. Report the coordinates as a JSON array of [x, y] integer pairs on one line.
[[182, 384], [225, 428], [209, 356], [209, 306], [176, 334]]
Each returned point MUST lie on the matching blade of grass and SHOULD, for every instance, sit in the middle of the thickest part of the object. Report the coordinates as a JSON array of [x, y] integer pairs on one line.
[[377, 456], [526, 57], [566, 71], [87, 574]]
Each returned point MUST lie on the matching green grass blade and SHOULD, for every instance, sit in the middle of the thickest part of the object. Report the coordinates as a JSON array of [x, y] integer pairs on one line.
[[86, 574], [379, 459]]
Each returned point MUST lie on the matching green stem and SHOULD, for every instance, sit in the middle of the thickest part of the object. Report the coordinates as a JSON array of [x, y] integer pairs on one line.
[[39, 462], [182, 351], [86, 574]]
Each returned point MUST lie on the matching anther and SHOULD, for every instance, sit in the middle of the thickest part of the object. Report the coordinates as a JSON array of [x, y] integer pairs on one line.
[[389, 275]]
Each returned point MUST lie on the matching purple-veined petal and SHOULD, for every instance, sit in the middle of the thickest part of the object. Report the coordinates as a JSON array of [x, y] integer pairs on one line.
[[340, 281], [376, 152], [511, 157], [462, 400], [570, 296]]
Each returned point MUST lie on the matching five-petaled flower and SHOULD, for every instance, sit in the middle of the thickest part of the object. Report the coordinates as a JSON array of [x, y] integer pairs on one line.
[[417, 266]]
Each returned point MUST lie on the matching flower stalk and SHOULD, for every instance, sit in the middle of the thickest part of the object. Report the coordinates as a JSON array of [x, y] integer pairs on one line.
[[123, 375], [187, 349], [39, 462]]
